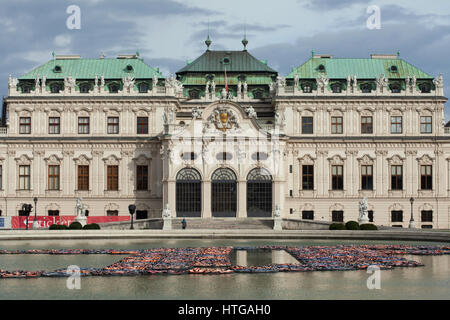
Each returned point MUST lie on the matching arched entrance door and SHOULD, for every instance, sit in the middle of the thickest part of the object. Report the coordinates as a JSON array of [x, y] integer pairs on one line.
[[223, 193], [259, 193], [189, 193]]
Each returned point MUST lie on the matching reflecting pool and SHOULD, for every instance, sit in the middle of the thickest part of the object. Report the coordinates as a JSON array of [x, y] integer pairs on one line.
[[429, 282]]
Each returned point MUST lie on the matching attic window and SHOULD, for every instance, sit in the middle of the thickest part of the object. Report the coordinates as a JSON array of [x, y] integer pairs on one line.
[[394, 69], [84, 88], [321, 68], [113, 88], [26, 88], [143, 87], [226, 60], [425, 88], [55, 88], [57, 69], [395, 88], [129, 68], [257, 94]]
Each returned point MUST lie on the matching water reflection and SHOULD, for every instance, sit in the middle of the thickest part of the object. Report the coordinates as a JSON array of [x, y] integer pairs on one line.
[[428, 282]]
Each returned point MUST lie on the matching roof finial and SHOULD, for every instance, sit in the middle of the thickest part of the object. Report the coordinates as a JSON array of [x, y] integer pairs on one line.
[[245, 41], [398, 53], [312, 53], [208, 40]]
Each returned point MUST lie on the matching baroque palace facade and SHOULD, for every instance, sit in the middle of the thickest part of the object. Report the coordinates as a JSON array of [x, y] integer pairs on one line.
[[228, 137]]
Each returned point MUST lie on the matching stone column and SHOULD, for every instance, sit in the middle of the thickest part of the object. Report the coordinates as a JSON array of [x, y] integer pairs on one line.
[[67, 168], [96, 166], [242, 199], [206, 199], [11, 185], [39, 178]]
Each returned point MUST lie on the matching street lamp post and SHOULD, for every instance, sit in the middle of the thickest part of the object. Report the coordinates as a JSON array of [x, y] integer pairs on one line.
[[412, 224], [35, 222], [26, 208], [131, 209]]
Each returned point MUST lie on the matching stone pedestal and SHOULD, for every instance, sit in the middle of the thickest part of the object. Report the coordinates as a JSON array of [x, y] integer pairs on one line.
[[412, 224], [363, 220], [167, 223], [277, 224], [36, 224], [82, 220]]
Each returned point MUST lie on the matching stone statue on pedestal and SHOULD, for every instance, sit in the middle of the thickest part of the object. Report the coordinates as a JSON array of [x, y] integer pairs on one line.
[[81, 212], [363, 211], [167, 218]]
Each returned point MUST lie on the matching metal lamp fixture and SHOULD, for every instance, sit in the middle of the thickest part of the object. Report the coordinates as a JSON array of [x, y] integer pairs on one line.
[[131, 209]]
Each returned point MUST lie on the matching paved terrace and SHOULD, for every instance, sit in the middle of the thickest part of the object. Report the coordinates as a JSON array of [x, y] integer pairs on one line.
[[401, 235]]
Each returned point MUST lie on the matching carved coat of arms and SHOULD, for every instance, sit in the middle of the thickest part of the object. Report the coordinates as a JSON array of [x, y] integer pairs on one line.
[[224, 119]]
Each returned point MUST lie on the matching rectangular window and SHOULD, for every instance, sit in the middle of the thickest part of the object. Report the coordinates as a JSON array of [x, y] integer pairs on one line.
[[112, 213], [141, 214], [336, 125], [337, 178], [397, 216], [337, 216], [53, 177], [112, 177], [24, 177], [367, 177], [366, 125], [83, 178], [425, 124], [1, 177], [54, 125], [307, 125], [142, 177], [142, 125], [83, 125], [426, 178], [113, 125], [396, 124], [370, 214], [308, 214], [396, 177], [308, 177], [53, 213], [427, 215], [25, 125]]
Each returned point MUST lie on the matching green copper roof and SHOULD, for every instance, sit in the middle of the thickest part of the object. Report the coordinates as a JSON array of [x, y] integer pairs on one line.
[[200, 79], [89, 68], [233, 61], [340, 68]]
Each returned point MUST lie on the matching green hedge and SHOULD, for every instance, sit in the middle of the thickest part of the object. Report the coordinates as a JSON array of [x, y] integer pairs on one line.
[[337, 226], [92, 226], [58, 227], [368, 226], [352, 225], [75, 225]]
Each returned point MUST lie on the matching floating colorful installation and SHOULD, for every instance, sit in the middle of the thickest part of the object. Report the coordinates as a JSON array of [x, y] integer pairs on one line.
[[217, 260]]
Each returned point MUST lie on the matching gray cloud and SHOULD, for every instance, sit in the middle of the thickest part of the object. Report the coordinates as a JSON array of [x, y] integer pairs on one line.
[[330, 4]]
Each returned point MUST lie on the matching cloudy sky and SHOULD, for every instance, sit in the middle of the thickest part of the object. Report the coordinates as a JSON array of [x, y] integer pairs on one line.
[[169, 32]]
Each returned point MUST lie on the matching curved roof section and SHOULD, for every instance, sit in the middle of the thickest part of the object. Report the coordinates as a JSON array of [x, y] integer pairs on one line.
[[89, 68], [363, 68], [215, 61]]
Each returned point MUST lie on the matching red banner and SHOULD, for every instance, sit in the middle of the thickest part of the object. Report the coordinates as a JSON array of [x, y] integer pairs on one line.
[[46, 221]]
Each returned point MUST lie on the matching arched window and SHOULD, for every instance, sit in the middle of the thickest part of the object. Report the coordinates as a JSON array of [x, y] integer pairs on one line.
[[223, 193], [259, 193], [366, 88], [425, 88], [189, 193], [395, 88], [194, 94], [113, 88], [336, 88], [307, 88], [143, 87], [257, 94], [55, 88], [84, 88]]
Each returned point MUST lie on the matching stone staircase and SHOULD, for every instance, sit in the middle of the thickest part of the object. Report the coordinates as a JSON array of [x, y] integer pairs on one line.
[[224, 223]]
